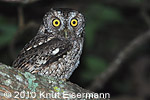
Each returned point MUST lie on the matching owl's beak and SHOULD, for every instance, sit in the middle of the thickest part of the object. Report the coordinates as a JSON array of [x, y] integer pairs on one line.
[[66, 33]]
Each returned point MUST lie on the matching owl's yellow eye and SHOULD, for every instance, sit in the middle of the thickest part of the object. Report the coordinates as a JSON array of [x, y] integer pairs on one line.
[[74, 22], [56, 22]]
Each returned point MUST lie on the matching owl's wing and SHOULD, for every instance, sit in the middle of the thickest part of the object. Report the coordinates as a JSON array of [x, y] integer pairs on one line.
[[40, 52]]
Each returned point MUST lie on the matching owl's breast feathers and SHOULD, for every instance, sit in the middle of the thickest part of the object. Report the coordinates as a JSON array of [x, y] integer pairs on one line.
[[40, 52]]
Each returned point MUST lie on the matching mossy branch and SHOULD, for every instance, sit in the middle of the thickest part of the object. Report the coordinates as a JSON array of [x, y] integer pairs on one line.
[[15, 83]]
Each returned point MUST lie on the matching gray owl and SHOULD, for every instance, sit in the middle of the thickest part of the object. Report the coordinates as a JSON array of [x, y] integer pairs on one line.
[[56, 49]]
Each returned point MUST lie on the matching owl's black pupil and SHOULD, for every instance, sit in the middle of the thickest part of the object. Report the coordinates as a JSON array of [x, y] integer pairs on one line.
[[74, 22], [56, 22]]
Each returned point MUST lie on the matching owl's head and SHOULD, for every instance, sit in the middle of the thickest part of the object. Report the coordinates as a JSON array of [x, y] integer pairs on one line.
[[64, 22]]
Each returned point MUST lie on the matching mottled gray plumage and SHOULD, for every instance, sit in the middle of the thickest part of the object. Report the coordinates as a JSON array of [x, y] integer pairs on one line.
[[57, 47]]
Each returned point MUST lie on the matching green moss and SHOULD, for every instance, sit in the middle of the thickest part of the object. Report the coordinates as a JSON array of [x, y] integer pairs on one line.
[[7, 82], [19, 74], [56, 89], [31, 78], [2, 67], [18, 77], [4, 74]]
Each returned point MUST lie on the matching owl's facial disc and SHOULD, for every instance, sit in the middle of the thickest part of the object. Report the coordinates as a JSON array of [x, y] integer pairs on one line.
[[76, 23], [64, 22]]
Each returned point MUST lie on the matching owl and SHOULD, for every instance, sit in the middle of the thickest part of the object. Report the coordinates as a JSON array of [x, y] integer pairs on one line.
[[56, 49]]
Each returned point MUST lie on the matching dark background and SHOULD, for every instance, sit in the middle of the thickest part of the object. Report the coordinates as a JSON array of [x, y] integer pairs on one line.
[[111, 28]]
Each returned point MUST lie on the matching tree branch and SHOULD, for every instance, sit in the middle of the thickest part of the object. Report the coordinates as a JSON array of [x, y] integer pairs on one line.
[[101, 79], [15, 84]]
